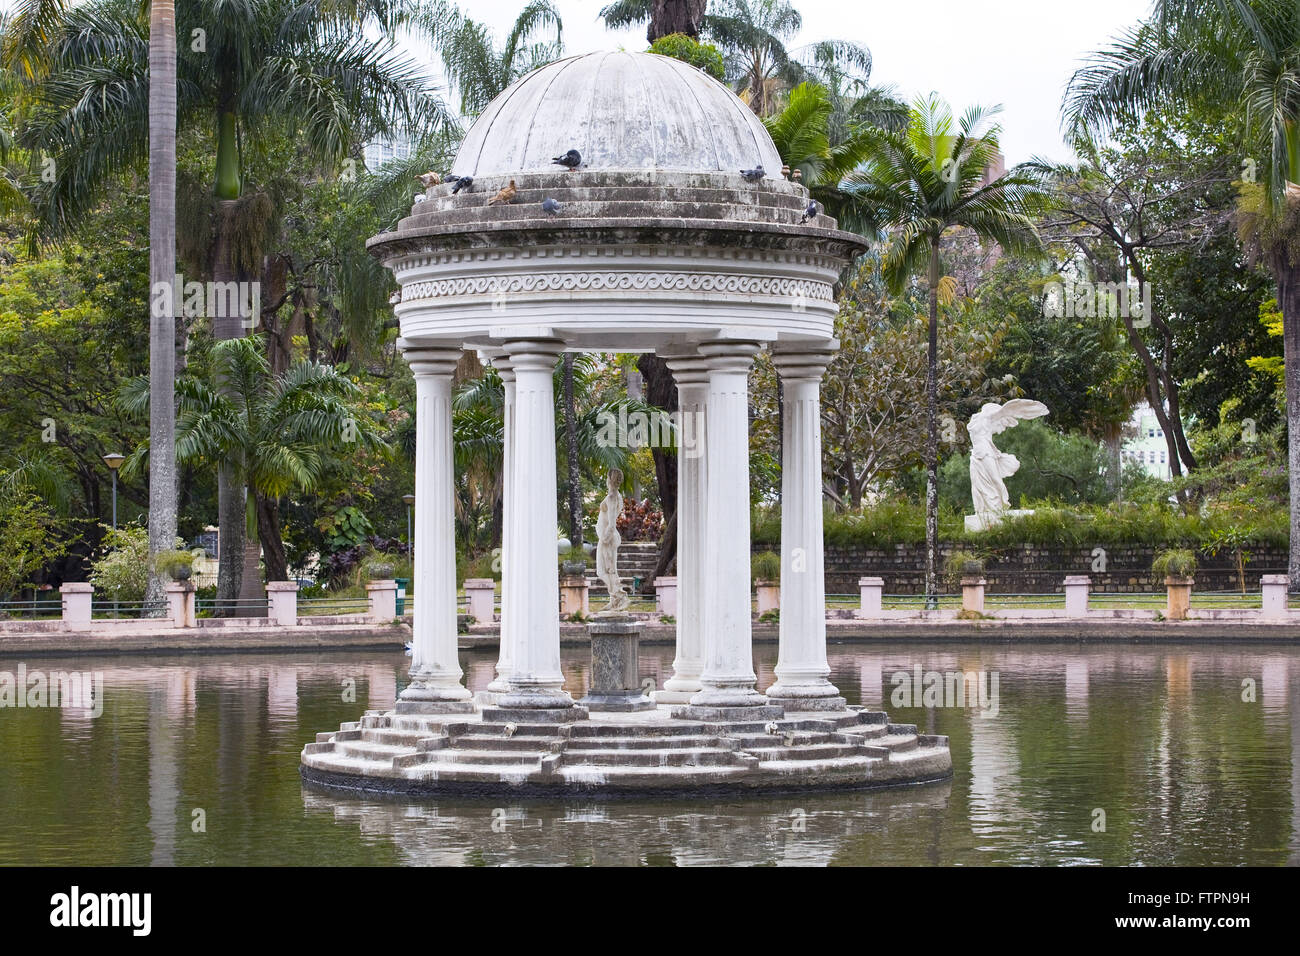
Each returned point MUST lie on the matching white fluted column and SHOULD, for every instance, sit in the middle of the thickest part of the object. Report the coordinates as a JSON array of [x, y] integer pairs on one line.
[[692, 378], [532, 623], [801, 669], [728, 678], [435, 669], [502, 364]]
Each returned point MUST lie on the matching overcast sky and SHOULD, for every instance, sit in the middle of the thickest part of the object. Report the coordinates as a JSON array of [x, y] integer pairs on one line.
[[1019, 53]]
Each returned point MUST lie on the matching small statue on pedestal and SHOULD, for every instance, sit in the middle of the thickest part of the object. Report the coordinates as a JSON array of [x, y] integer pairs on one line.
[[607, 542]]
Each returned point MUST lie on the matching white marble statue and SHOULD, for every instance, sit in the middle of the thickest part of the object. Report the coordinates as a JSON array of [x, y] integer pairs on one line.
[[988, 466], [607, 542]]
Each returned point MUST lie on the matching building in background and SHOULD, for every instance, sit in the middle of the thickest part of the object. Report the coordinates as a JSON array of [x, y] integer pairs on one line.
[[1144, 443]]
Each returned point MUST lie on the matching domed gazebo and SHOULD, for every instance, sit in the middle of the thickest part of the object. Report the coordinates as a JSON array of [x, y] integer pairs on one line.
[[658, 243]]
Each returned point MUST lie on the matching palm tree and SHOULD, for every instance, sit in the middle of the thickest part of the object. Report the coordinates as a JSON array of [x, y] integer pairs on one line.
[[162, 269], [478, 69], [664, 17], [278, 433], [1240, 61], [917, 185], [478, 409], [269, 67]]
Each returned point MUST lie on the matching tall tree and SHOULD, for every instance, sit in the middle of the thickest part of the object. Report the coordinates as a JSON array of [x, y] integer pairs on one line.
[[162, 271], [478, 68], [919, 184], [248, 69], [1238, 60]]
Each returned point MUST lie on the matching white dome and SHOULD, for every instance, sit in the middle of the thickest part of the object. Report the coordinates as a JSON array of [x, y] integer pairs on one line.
[[620, 111]]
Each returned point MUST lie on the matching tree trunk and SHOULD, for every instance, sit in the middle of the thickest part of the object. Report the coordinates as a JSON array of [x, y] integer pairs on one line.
[[932, 437], [268, 532], [1288, 285], [675, 16], [661, 391], [162, 269], [232, 505], [571, 448]]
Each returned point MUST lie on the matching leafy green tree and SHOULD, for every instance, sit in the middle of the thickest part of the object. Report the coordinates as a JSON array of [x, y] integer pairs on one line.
[[250, 70], [32, 537], [919, 184], [276, 432], [703, 56], [478, 69], [1239, 60]]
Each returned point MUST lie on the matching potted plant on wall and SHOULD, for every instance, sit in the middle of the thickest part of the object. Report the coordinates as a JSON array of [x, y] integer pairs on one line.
[[765, 568], [966, 569], [1178, 567]]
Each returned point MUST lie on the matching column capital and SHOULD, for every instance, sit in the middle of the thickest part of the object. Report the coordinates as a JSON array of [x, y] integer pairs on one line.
[[690, 369], [729, 356], [500, 361], [804, 362], [430, 359], [533, 353]]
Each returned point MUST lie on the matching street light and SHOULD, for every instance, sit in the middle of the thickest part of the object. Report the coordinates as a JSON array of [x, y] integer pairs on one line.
[[410, 503], [114, 462]]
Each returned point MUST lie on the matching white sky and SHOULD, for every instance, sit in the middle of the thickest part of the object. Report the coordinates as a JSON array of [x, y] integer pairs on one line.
[[1019, 53]]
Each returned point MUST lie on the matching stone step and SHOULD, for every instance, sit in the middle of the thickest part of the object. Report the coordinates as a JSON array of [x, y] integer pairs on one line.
[[478, 196], [476, 730], [661, 757], [674, 728], [585, 744], [506, 758], [896, 743], [806, 752], [519, 742], [811, 768], [403, 738], [372, 751]]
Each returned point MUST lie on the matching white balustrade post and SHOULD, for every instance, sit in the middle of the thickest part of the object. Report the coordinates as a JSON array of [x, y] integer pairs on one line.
[[870, 591], [77, 599], [1077, 587], [802, 670], [435, 685], [1273, 596], [482, 594], [282, 602], [382, 596]]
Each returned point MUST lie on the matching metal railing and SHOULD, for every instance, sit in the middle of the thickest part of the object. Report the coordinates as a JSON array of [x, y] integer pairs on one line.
[[32, 609], [128, 610]]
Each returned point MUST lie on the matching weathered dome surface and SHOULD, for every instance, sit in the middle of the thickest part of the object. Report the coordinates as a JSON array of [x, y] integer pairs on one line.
[[621, 111]]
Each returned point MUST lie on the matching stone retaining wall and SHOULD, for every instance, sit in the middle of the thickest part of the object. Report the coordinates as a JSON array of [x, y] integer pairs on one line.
[[1031, 569]]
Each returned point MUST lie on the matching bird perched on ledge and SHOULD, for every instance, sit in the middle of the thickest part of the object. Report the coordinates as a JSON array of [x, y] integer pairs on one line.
[[572, 160], [753, 175], [429, 179], [552, 206], [810, 212], [505, 195], [462, 182]]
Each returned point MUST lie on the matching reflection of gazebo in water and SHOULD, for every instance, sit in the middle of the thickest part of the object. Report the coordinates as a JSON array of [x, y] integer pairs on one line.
[[658, 244]]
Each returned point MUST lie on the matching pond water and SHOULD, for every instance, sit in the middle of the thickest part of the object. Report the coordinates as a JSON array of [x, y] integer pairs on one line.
[[1084, 755]]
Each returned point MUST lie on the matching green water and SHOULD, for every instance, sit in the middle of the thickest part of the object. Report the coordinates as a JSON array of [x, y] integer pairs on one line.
[[1158, 738]]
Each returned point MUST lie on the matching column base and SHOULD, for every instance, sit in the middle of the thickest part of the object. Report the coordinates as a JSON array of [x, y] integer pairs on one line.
[[666, 696], [434, 707], [534, 715], [423, 690], [616, 703], [802, 704], [729, 714]]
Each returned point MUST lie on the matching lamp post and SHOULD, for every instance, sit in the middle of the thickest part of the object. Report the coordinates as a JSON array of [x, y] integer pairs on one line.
[[114, 462], [410, 503]]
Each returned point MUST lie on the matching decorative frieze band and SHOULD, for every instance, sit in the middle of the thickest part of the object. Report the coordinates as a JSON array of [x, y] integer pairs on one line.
[[526, 283]]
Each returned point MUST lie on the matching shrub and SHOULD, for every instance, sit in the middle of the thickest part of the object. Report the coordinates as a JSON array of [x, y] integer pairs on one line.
[[1174, 563], [176, 564], [704, 56], [962, 564], [31, 537], [121, 572], [640, 521], [765, 566]]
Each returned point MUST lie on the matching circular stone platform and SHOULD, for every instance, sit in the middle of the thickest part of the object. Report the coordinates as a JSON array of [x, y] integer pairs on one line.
[[622, 755]]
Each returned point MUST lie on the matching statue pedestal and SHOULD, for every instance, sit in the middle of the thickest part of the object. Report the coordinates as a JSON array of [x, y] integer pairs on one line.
[[991, 519], [615, 671]]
